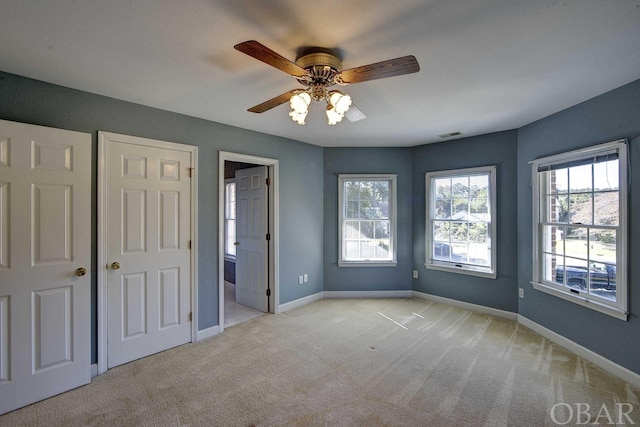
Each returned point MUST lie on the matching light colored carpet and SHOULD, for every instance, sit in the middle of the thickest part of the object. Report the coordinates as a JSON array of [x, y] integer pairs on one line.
[[395, 362]]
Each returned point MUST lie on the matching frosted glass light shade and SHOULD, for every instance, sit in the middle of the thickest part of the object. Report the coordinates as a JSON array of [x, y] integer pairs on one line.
[[300, 102]]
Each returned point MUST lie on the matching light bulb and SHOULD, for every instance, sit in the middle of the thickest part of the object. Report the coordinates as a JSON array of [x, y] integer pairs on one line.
[[298, 117], [300, 102], [340, 101], [333, 116]]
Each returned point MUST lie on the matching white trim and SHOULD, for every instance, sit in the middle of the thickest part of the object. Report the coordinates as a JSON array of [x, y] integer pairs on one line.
[[460, 268], [274, 218], [467, 306], [208, 333], [94, 370], [103, 138], [581, 300], [393, 219], [300, 302], [369, 294], [593, 357]]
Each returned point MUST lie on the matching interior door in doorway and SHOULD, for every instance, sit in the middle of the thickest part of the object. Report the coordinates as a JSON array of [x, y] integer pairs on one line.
[[45, 260], [251, 234], [148, 212]]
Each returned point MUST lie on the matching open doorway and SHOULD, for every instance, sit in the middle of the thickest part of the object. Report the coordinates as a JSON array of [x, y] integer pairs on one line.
[[248, 238]]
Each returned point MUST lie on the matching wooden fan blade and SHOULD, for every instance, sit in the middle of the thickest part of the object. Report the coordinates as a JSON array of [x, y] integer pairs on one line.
[[273, 102], [266, 55], [379, 70]]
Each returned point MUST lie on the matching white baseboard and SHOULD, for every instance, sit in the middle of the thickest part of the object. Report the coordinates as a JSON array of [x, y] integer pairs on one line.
[[467, 306], [300, 302], [368, 294], [593, 357], [94, 370], [208, 333]]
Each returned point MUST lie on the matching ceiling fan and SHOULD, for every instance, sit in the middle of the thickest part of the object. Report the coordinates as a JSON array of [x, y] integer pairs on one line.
[[318, 69]]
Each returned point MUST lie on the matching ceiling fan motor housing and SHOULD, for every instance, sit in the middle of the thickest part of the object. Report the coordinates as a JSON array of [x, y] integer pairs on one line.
[[322, 68]]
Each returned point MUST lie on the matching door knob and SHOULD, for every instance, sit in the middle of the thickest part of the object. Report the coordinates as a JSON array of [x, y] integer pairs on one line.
[[115, 266], [81, 271], [236, 243]]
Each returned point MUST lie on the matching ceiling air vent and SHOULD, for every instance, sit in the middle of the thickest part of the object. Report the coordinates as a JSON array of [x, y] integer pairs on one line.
[[450, 135]]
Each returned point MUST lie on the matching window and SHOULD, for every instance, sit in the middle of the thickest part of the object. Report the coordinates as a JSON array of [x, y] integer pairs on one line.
[[230, 218], [580, 227], [461, 221], [367, 213]]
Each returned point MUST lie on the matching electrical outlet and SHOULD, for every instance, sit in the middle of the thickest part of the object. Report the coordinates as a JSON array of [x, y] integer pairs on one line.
[[306, 278], [415, 274], [521, 292], [300, 280]]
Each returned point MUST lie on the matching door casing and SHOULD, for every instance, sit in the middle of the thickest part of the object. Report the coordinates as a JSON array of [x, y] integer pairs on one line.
[[103, 230], [274, 227]]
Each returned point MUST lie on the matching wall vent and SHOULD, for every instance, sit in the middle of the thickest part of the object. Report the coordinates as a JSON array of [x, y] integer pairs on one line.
[[450, 135]]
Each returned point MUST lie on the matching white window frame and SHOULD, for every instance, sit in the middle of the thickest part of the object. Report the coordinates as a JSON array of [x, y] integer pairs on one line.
[[619, 308], [228, 256], [392, 178], [450, 266]]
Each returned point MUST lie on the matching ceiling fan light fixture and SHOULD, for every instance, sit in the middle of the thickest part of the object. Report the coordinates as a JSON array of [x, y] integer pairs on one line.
[[333, 117], [339, 101], [300, 102]]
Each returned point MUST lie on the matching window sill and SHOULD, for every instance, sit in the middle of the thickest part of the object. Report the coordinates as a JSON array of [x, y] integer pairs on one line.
[[462, 270], [367, 263], [583, 301]]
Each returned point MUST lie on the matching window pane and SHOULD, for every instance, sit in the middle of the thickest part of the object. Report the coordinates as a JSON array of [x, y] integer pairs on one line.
[[603, 280], [461, 208], [367, 249], [559, 180], [442, 187], [603, 245], [558, 207], [366, 229], [580, 178], [553, 268], [442, 251], [576, 242], [352, 209], [460, 187], [479, 208], [459, 252], [382, 251], [382, 230], [351, 190], [605, 175], [478, 184], [459, 232], [478, 232], [606, 208], [581, 208], [441, 230], [576, 271], [553, 239], [443, 208], [352, 249], [351, 229]]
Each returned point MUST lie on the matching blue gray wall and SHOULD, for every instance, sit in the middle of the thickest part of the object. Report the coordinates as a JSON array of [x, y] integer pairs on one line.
[[301, 174], [608, 117], [498, 149], [367, 160]]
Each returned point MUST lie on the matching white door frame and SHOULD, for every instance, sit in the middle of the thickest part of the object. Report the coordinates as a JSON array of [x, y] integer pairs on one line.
[[102, 272], [274, 221]]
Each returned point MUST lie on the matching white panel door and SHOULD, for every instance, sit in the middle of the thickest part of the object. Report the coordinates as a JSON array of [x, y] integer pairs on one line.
[[45, 257], [149, 260], [251, 232]]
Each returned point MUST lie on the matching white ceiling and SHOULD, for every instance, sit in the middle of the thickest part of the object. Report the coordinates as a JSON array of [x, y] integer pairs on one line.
[[485, 65]]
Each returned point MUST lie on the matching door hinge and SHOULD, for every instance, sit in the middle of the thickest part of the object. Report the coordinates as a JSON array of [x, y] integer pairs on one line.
[[268, 181], [190, 171], [268, 236], [189, 244], [191, 317], [268, 292]]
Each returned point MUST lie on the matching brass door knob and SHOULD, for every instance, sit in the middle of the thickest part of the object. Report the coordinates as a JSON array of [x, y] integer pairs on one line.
[[115, 266], [81, 271]]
